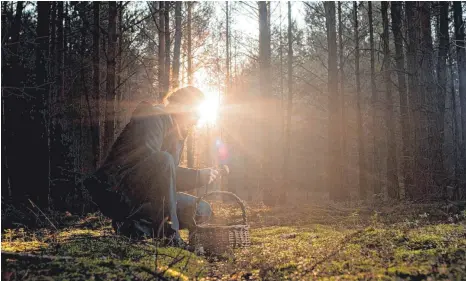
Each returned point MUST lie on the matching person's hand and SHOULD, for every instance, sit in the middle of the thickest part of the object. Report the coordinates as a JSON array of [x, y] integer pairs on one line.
[[207, 176]]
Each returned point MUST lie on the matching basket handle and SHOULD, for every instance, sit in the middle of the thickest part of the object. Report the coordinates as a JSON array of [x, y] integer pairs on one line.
[[237, 199]]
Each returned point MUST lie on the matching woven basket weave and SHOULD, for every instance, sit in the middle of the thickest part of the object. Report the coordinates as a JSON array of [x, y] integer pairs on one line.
[[216, 239]]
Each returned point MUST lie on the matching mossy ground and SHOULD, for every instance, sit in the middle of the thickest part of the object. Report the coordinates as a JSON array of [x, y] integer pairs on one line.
[[402, 242]]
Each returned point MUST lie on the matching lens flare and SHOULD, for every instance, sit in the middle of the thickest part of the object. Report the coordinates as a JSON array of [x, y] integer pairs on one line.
[[208, 110]]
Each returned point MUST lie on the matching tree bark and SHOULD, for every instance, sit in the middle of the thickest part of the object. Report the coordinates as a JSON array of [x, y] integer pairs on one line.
[[227, 78], [167, 47], [287, 152], [95, 121], [413, 190], [374, 133], [343, 122], [428, 101], [363, 190], [439, 135], [161, 53], [396, 8], [334, 150], [41, 165], [461, 64], [177, 47], [190, 141], [392, 169], [110, 93]]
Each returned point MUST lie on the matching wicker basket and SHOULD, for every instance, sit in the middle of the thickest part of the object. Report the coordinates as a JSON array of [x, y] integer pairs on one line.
[[216, 239]]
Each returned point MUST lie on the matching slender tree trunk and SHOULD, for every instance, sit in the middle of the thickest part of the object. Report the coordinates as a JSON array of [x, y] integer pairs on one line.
[[119, 59], [287, 181], [334, 149], [456, 141], [110, 100], [95, 121], [190, 141], [264, 129], [344, 156], [461, 64], [392, 169], [167, 47], [40, 191], [413, 191], [161, 54], [428, 100], [439, 135], [227, 78], [363, 190], [177, 47], [396, 8], [375, 130]]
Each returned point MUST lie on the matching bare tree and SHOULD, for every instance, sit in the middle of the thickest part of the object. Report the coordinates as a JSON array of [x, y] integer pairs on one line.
[[439, 135], [177, 47], [96, 84], [161, 54], [461, 62], [392, 170], [189, 141], [290, 101], [396, 9], [375, 130], [110, 91], [363, 189], [334, 150], [414, 99]]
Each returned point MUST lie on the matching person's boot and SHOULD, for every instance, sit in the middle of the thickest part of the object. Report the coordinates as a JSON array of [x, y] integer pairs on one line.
[[174, 240]]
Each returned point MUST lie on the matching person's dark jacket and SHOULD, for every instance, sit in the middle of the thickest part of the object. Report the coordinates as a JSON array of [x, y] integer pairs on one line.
[[150, 129]]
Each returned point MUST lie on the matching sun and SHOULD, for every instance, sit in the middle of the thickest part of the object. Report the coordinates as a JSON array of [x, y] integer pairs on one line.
[[208, 109]]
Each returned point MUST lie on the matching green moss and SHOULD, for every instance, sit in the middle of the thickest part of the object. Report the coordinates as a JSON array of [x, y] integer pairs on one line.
[[314, 244]]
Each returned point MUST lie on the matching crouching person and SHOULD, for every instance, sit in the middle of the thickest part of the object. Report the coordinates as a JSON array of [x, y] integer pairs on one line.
[[140, 186]]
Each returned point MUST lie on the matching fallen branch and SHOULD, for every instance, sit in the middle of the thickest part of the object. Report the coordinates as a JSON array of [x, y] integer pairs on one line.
[[26, 256]]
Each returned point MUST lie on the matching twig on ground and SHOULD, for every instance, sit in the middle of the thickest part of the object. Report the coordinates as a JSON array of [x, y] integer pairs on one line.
[[27, 256], [34, 205]]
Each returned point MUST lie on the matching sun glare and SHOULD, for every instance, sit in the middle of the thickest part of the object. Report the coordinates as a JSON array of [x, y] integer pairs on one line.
[[208, 110]]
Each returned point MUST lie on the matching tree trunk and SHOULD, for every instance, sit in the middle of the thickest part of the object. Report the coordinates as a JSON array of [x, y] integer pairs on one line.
[[287, 152], [363, 190], [375, 130], [392, 169], [227, 78], [40, 131], [177, 47], [167, 46], [161, 53], [461, 64], [413, 191], [439, 135], [189, 142], [334, 150], [110, 93], [343, 122], [95, 121], [396, 8], [428, 100], [266, 170]]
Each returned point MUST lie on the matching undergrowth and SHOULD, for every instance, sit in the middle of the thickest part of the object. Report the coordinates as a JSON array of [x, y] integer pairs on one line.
[[401, 242]]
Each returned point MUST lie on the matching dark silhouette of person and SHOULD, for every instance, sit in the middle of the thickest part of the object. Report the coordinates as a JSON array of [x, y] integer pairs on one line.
[[140, 185]]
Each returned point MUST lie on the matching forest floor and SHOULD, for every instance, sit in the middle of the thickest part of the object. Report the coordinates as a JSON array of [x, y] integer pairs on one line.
[[390, 242]]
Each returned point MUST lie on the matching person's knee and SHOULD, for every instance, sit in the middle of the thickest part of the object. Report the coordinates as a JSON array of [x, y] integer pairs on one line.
[[164, 159]]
